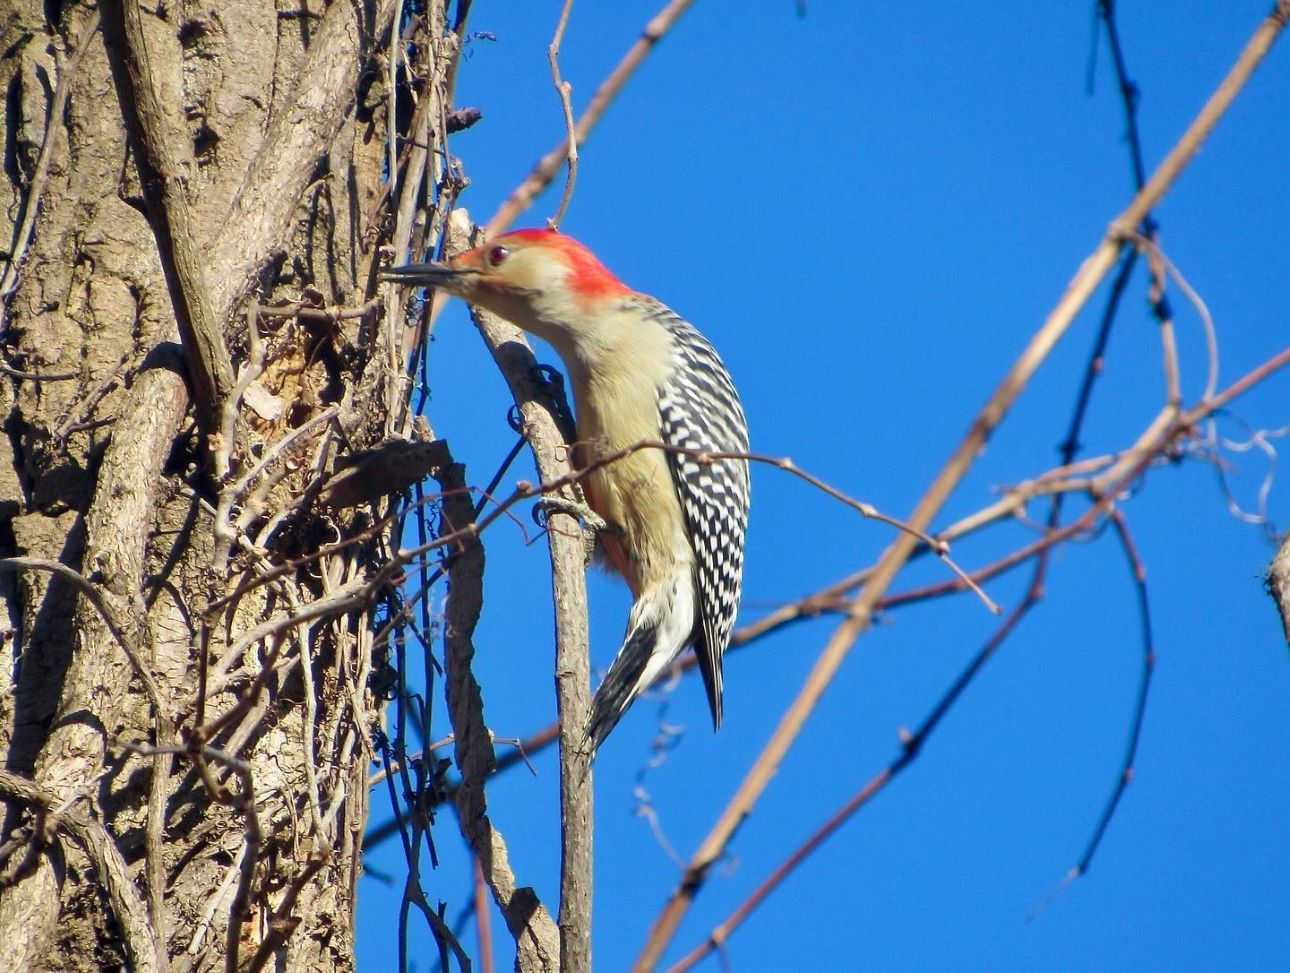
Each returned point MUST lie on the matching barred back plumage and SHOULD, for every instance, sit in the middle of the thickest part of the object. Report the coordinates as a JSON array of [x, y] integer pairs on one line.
[[700, 412]]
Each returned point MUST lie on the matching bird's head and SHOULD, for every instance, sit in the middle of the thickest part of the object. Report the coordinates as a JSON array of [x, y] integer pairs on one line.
[[541, 280]]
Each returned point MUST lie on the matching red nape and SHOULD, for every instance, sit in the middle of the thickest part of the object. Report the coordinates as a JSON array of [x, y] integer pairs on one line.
[[588, 276]]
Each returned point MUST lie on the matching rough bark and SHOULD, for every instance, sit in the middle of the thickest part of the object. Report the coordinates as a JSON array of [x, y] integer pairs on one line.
[[184, 729]]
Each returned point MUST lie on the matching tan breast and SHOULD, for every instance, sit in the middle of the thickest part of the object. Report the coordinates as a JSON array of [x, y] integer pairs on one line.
[[617, 408]]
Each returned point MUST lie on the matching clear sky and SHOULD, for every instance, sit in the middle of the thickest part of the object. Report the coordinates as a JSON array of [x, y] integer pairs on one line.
[[869, 210]]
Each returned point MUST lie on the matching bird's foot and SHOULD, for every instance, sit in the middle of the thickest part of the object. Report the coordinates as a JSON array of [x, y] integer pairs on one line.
[[592, 522], [553, 383]]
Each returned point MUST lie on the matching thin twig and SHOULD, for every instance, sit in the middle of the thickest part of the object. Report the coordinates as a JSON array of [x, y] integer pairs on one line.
[[240, 910], [1164, 317], [938, 546], [564, 90], [549, 165], [108, 614], [1154, 249], [243, 483], [37, 376], [159, 789], [1059, 321], [1125, 775]]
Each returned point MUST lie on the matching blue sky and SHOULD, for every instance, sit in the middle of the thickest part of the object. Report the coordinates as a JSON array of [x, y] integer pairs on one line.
[[869, 210]]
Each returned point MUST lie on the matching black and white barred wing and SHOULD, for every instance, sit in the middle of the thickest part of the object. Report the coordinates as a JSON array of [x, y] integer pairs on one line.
[[699, 409]]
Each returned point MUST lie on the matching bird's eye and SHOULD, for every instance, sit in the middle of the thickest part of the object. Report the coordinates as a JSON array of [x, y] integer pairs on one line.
[[497, 255]]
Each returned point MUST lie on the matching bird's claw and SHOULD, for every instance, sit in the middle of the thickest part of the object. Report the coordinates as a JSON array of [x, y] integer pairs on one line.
[[553, 382], [575, 508], [592, 522]]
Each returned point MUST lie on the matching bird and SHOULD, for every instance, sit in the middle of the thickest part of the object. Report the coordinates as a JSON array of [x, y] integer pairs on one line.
[[675, 516]]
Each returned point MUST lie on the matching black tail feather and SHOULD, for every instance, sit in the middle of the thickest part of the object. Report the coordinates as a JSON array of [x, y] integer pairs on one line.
[[618, 690], [710, 670]]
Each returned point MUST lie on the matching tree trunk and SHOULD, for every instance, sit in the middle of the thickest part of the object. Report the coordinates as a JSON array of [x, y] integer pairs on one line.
[[190, 340]]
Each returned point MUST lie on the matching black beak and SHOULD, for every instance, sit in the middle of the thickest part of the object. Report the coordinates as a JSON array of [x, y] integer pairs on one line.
[[425, 275]]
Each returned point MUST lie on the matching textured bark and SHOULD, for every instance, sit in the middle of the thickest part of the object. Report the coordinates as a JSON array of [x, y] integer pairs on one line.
[[119, 845], [1278, 580]]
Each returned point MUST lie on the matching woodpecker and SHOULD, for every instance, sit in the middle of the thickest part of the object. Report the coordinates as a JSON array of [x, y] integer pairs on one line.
[[675, 518]]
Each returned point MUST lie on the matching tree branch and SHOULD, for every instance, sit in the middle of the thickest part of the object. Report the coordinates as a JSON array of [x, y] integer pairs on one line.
[[1010, 388], [145, 947], [564, 90], [537, 940], [549, 165], [541, 427]]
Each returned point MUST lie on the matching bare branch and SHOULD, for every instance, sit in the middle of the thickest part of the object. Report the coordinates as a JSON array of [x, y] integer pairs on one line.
[[549, 165], [105, 610], [1125, 775], [541, 427], [564, 89], [1089, 276], [536, 937]]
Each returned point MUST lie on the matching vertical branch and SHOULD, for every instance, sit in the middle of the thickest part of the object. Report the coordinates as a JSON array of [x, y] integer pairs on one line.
[[1125, 774], [1128, 91], [536, 939], [1164, 317], [541, 427]]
